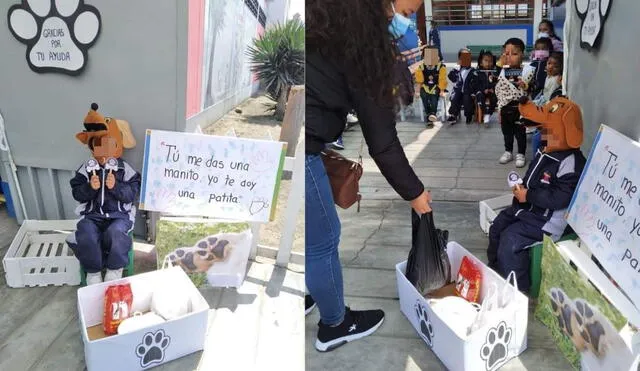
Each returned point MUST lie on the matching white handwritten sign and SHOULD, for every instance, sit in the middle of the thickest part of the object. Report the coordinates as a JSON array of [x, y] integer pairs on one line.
[[605, 210], [205, 175]]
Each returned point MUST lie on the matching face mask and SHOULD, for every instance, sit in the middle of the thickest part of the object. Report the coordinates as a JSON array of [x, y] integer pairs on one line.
[[540, 54], [543, 34], [399, 24]]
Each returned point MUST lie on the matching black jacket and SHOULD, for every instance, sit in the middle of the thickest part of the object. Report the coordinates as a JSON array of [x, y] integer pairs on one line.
[[486, 80], [551, 180], [470, 85], [112, 203], [328, 100], [540, 75]]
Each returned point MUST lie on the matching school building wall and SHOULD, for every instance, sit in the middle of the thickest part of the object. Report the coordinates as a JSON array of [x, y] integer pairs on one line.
[[453, 38], [605, 82], [220, 74], [135, 71]]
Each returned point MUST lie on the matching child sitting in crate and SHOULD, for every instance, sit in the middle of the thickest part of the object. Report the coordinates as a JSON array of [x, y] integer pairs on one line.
[[431, 76], [541, 200], [487, 79], [107, 188]]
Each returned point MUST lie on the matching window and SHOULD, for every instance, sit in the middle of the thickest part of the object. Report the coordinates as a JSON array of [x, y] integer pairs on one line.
[[461, 12]]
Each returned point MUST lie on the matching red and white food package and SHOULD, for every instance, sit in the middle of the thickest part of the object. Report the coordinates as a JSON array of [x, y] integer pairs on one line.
[[469, 280], [117, 307]]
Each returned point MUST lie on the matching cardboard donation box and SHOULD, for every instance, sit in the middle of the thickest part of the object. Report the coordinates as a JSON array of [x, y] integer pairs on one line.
[[501, 336], [153, 343]]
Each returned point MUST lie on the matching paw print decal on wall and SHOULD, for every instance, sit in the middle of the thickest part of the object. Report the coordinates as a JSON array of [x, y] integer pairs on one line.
[[58, 33], [593, 13]]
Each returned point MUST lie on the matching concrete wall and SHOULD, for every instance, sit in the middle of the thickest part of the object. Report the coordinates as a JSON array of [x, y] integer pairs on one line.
[[229, 28], [277, 11], [453, 38], [605, 82], [135, 71]]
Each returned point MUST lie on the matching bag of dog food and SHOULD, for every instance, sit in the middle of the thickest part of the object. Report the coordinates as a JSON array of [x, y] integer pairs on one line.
[[468, 280], [117, 307]]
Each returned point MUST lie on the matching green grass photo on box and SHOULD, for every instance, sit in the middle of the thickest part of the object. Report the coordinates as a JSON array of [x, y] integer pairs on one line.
[[173, 234], [557, 273]]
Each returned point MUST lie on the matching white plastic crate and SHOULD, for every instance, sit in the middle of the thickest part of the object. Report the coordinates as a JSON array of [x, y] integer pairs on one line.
[[40, 256], [490, 208]]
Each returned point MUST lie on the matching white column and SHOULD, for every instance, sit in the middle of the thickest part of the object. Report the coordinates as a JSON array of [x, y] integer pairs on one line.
[[537, 16], [428, 14]]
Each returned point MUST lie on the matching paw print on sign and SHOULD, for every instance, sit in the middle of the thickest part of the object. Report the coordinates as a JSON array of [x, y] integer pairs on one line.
[[495, 351], [590, 328], [593, 13], [426, 329], [151, 349], [57, 33]]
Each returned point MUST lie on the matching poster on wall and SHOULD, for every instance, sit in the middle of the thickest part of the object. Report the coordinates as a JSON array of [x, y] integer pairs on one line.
[[57, 33], [593, 14], [204, 175], [605, 210], [584, 325]]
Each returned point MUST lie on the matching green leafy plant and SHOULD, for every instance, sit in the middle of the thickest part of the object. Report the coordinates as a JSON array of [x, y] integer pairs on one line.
[[277, 58]]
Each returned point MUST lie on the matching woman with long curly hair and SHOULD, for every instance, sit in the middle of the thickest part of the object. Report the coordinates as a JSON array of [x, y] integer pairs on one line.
[[350, 56]]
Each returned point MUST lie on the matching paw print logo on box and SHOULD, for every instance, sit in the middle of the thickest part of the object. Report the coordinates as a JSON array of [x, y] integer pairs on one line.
[[593, 14], [495, 350], [151, 349], [58, 33], [426, 329]]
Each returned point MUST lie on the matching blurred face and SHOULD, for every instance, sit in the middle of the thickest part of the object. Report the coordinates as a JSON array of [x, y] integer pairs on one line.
[[540, 46], [486, 62], [513, 55], [407, 7], [553, 68], [543, 27]]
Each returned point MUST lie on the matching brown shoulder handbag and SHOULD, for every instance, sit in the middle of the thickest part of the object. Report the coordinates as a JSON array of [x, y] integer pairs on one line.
[[344, 175]]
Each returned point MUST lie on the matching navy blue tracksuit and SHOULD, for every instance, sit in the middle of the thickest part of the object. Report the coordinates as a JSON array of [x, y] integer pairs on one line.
[[463, 91], [550, 180], [101, 239], [487, 81]]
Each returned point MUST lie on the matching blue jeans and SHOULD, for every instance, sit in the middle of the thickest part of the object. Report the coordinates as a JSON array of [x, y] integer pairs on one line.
[[323, 273]]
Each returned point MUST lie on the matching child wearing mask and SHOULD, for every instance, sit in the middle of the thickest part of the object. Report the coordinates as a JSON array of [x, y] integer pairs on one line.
[[487, 79], [513, 82], [547, 29], [465, 80], [542, 49]]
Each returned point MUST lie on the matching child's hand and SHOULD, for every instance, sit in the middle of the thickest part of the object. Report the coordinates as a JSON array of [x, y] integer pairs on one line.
[[443, 94], [520, 193], [95, 182], [110, 181]]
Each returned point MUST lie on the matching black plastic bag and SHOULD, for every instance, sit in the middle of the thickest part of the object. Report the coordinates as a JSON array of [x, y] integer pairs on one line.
[[428, 266]]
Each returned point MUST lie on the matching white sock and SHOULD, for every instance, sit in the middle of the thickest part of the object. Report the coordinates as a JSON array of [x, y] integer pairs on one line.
[[487, 117]]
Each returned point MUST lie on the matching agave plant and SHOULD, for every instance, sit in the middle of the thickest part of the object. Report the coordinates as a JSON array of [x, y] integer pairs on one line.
[[277, 58]]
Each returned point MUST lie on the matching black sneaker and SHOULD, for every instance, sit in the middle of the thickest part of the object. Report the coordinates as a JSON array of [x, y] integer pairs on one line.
[[452, 119], [356, 325], [309, 304]]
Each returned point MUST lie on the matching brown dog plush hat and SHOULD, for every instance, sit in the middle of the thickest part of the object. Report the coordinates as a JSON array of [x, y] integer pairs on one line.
[[105, 136], [561, 122]]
